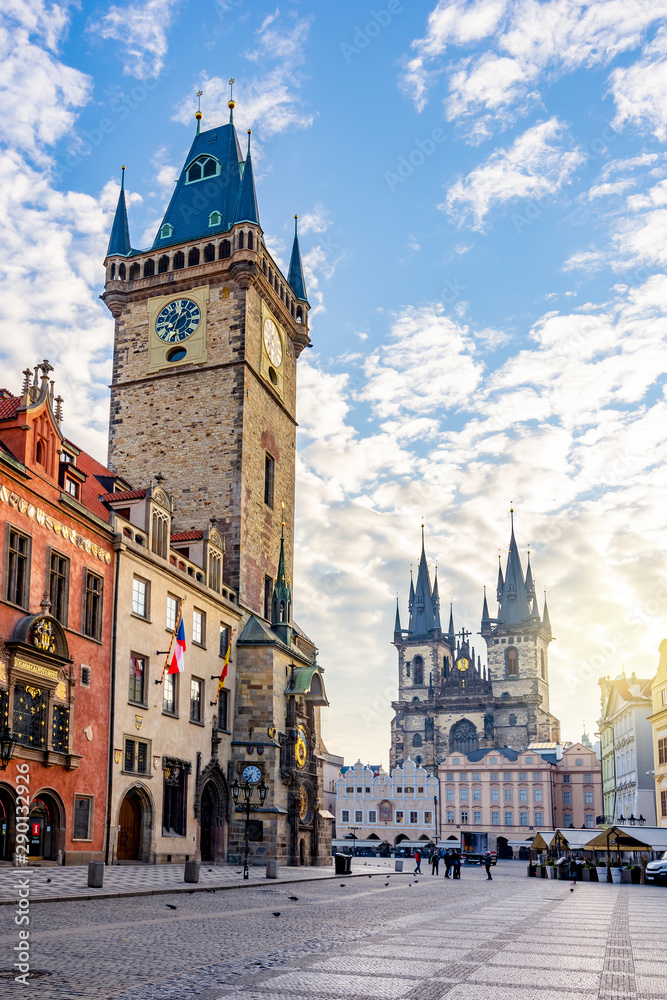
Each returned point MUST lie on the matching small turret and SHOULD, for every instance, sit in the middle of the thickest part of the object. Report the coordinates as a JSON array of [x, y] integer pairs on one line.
[[450, 631], [530, 586], [486, 621], [397, 625], [119, 241], [281, 603], [546, 623], [435, 597], [246, 210], [295, 275]]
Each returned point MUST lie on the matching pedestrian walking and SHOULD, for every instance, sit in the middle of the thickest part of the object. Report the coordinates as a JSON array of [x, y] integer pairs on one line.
[[449, 860], [435, 863], [418, 862], [456, 865], [487, 864]]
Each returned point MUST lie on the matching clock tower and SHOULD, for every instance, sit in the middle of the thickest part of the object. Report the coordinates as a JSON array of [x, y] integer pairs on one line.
[[208, 331]]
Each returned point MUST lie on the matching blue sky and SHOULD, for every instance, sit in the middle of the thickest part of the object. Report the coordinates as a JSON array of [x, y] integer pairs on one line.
[[483, 197]]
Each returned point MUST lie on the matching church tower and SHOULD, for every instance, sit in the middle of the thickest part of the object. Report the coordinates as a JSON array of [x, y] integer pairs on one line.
[[208, 331], [517, 655]]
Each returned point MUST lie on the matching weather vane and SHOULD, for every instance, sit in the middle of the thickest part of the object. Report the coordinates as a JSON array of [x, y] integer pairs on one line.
[[199, 96], [231, 88]]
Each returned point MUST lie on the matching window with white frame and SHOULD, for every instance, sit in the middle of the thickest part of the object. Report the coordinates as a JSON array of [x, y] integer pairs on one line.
[[590, 820], [523, 795], [450, 815], [414, 816], [509, 819], [449, 795], [539, 818], [588, 798], [523, 819], [477, 794], [140, 597], [399, 816], [477, 816], [537, 795], [345, 815], [372, 816], [507, 795], [358, 816], [198, 631], [495, 818], [463, 794], [495, 795], [428, 818], [172, 611]]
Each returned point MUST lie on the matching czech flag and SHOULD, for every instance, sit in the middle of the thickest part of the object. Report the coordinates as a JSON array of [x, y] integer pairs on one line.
[[177, 665]]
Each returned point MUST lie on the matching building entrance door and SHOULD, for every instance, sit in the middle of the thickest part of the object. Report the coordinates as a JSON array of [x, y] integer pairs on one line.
[[130, 829], [40, 832], [206, 823], [6, 812]]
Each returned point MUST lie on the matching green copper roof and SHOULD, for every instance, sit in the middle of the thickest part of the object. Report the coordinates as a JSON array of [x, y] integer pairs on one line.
[[307, 681], [189, 212], [295, 276], [119, 241]]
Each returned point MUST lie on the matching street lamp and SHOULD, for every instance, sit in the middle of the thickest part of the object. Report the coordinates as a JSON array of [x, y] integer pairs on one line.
[[245, 790], [7, 744]]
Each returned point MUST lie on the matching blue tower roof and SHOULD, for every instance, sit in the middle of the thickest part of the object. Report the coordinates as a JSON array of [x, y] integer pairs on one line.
[[119, 241], [422, 615], [514, 601], [213, 188], [246, 210], [295, 276]]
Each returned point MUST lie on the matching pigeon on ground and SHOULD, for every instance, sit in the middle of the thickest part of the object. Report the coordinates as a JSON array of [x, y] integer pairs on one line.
[[386, 883], [294, 898], [276, 913], [343, 886], [48, 880], [171, 906]]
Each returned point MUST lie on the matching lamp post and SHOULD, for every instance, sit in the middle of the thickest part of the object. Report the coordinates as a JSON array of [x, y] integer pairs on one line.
[[245, 790], [435, 813], [354, 838], [7, 744]]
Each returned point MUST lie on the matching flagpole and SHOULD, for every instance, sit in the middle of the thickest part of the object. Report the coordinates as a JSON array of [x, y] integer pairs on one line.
[[171, 641]]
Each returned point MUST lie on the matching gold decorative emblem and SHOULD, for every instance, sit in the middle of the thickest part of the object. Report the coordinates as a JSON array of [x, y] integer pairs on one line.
[[42, 635], [301, 748], [117, 755], [138, 721], [303, 803], [33, 692], [61, 691], [463, 663]]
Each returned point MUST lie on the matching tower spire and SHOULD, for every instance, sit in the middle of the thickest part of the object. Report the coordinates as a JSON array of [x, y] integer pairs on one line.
[[450, 631], [198, 114], [514, 601], [397, 623], [486, 621], [246, 210], [281, 604], [422, 618], [295, 275], [231, 103], [435, 597], [119, 241]]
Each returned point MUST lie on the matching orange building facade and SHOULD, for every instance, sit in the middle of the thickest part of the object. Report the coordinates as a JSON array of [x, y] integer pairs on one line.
[[56, 613]]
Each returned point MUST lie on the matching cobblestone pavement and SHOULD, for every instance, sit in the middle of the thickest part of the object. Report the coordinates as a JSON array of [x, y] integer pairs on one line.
[[71, 883], [513, 938]]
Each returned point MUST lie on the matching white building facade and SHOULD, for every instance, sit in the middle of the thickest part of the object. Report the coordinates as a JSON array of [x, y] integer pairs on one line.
[[626, 707], [386, 808]]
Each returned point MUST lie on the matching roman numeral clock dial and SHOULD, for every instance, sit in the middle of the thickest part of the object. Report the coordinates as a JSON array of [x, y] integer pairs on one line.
[[177, 321]]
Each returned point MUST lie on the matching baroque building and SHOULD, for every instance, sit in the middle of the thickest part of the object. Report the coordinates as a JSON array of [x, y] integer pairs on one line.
[[448, 700], [208, 331]]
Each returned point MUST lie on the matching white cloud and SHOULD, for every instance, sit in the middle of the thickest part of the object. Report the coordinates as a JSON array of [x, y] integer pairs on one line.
[[283, 42], [141, 29], [640, 90], [39, 93], [525, 43], [534, 166]]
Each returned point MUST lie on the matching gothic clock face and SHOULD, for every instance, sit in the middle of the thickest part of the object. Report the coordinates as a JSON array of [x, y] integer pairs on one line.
[[463, 663], [177, 321], [272, 343], [303, 804], [301, 748], [252, 774]]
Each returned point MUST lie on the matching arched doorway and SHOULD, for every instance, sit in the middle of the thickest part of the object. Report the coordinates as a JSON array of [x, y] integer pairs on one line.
[[129, 832], [208, 813], [6, 824], [46, 827], [503, 848]]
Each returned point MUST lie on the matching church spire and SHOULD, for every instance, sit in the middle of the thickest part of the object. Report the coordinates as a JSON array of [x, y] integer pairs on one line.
[[119, 241], [486, 621], [295, 275], [246, 210], [436, 600], [397, 623], [530, 586], [514, 605], [450, 630], [281, 604], [501, 582], [546, 622], [422, 617]]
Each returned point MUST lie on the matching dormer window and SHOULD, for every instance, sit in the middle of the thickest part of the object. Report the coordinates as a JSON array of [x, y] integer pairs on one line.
[[166, 231], [71, 487], [201, 168], [214, 219]]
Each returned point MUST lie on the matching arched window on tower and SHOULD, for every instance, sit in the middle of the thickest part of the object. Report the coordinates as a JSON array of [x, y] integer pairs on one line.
[[251, 242], [179, 260], [134, 271], [113, 271], [445, 667], [149, 268], [209, 253], [418, 676], [241, 240], [543, 665], [201, 168], [417, 740], [429, 730], [512, 662], [225, 249], [193, 257], [299, 314], [121, 272], [163, 264]]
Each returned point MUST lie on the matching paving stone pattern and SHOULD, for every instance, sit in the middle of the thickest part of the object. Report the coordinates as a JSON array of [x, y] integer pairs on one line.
[[360, 939]]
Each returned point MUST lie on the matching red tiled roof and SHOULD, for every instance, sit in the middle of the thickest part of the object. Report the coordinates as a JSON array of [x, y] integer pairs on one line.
[[90, 488], [187, 536], [623, 685], [9, 406], [123, 495]]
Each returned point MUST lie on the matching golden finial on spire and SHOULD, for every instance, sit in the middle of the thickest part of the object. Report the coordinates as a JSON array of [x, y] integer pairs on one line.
[[231, 104]]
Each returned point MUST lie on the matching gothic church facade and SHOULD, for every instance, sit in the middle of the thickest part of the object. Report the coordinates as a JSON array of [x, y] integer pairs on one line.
[[448, 700]]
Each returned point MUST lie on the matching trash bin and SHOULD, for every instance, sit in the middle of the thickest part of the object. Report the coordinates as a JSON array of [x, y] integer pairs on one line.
[[343, 863]]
